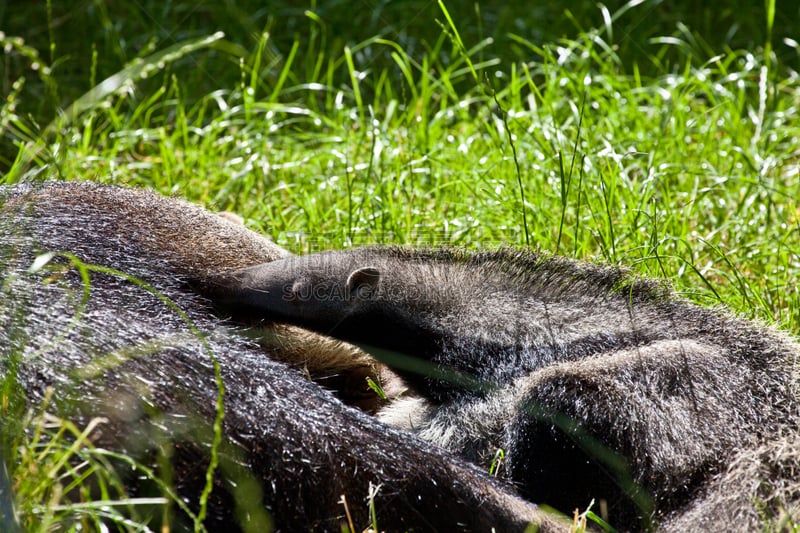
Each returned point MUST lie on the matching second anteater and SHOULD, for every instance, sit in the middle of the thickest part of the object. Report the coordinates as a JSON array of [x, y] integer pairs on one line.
[[596, 384]]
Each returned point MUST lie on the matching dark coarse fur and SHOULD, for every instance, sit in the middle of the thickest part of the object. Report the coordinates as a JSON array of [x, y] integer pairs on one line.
[[596, 384], [126, 355]]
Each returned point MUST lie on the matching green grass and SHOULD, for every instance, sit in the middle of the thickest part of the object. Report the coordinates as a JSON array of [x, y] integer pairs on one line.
[[62, 480], [664, 137], [674, 154]]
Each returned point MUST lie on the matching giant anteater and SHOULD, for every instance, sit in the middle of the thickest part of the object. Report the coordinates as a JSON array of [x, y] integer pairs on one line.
[[132, 340], [595, 383]]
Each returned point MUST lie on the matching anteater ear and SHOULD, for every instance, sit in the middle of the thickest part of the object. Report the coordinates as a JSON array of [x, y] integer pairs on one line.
[[362, 284]]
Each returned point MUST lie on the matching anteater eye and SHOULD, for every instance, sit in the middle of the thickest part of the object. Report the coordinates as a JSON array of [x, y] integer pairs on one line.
[[301, 291]]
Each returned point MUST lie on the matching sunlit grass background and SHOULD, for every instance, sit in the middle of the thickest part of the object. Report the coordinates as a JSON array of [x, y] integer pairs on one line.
[[664, 136], [659, 135]]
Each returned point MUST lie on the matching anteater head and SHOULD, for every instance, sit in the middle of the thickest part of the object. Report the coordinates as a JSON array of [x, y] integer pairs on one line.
[[368, 297], [322, 290]]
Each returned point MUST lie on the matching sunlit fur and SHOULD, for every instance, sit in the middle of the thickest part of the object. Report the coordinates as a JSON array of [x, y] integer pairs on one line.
[[128, 356], [597, 384]]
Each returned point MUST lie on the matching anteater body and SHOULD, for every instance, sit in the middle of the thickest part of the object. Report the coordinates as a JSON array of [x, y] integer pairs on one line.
[[595, 383], [117, 324]]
